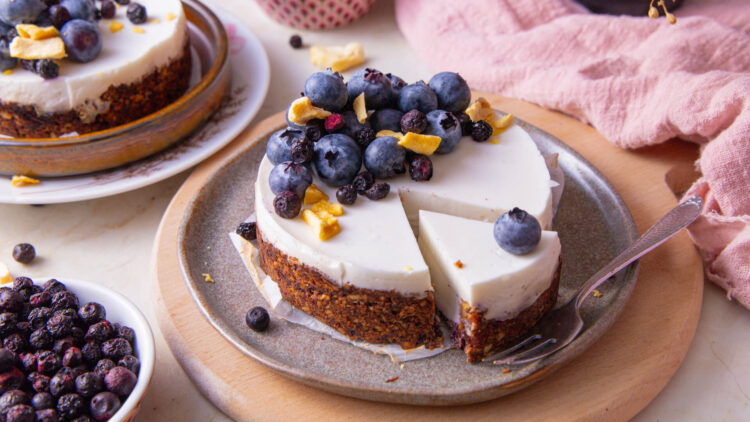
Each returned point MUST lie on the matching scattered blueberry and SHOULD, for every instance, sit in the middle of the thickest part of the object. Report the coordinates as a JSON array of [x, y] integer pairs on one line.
[[295, 41], [445, 125], [14, 12], [481, 131], [362, 181], [417, 96], [453, 93], [377, 87], [326, 90], [108, 9], [334, 123], [80, 9], [247, 230], [137, 13], [466, 124], [413, 121], [420, 168], [280, 143], [82, 40], [384, 157], [346, 194], [386, 119], [257, 318], [378, 191], [337, 159], [517, 232], [104, 405], [6, 62], [287, 204], [290, 176]]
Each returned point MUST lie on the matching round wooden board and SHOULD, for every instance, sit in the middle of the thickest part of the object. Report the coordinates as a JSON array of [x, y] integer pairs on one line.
[[613, 380]]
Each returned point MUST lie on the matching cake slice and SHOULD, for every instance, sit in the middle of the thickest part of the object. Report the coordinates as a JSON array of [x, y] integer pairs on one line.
[[489, 296]]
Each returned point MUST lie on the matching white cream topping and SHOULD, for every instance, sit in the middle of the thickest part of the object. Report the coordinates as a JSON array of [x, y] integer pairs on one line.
[[125, 58], [376, 249], [487, 277]]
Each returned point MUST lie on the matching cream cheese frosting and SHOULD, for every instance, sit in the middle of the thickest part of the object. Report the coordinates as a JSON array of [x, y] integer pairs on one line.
[[125, 58]]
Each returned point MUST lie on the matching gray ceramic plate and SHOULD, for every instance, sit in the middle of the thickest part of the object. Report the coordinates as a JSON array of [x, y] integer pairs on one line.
[[593, 222]]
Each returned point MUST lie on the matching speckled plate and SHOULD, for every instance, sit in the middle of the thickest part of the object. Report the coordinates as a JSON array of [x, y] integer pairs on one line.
[[593, 222]]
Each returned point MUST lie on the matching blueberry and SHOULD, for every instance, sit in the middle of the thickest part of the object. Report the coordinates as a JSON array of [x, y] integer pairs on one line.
[[108, 9], [247, 230], [346, 195], [91, 313], [384, 157], [82, 40], [287, 204], [291, 177], [376, 86], [11, 398], [453, 93], [337, 159], [80, 9], [386, 119], [413, 121], [378, 191], [7, 360], [88, 384], [59, 15], [396, 82], [363, 181], [24, 253], [420, 168], [47, 68], [131, 362], [6, 62], [104, 405], [417, 96], [120, 380], [326, 90], [114, 349], [352, 126], [445, 125], [14, 12], [313, 130], [257, 318], [517, 232], [20, 413], [71, 406], [43, 401], [481, 131], [295, 41], [280, 143], [47, 415], [137, 13], [301, 151]]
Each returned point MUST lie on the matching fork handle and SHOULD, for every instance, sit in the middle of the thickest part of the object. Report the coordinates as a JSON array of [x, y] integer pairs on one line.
[[675, 220]]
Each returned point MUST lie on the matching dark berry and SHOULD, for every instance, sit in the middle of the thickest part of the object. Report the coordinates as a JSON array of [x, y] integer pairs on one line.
[[72, 357], [445, 125], [29, 65], [386, 119], [91, 313], [384, 157], [43, 401], [127, 333], [47, 69], [53, 286], [91, 352], [40, 299], [397, 82], [122, 2], [89, 384], [11, 398], [84, 10], [452, 91], [47, 415], [346, 194], [63, 344], [41, 339], [48, 362], [8, 321], [59, 15], [136, 13], [314, 130], [108, 9], [10, 301], [420, 168], [7, 359], [120, 380], [103, 366], [104, 406], [362, 181], [295, 41], [287, 204], [466, 124], [23, 284], [377, 87], [517, 232], [413, 121], [20, 413], [62, 383], [15, 343], [378, 191], [116, 348], [301, 151], [247, 230], [334, 123], [131, 362], [278, 148], [257, 318], [59, 325], [14, 12], [39, 383], [83, 43], [38, 317], [100, 332], [417, 96], [481, 131], [352, 126], [326, 90], [288, 176], [64, 300], [364, 137], [83, 418], [28, 361], [11, 380], [71, 406], [337, 159]]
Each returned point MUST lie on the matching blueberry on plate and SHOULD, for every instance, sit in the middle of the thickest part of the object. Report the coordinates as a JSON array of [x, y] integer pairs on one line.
[[386, 119], [14, 12], [291, 177], [445, 125], [417, 96], [376, 86], [326, 90], [452, 91], [517, 232], [257, 318], [280, 144], [82, 40], [337, 159], [80, 9], [384, 157]]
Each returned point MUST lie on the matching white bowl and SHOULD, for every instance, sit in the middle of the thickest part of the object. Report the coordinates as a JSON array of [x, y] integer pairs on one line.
[[120, 310]]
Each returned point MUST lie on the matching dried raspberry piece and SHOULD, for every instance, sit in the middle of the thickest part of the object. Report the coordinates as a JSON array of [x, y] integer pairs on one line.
[[334, 123]]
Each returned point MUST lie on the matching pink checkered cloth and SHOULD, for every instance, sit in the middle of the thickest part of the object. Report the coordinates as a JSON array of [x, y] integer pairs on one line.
[[638, 81]]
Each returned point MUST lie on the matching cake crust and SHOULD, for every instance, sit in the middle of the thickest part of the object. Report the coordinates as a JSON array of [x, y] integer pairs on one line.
[[380, 317], [127, 103]]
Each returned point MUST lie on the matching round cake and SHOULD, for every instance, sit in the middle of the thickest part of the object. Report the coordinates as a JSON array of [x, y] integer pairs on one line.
[[144, 64]]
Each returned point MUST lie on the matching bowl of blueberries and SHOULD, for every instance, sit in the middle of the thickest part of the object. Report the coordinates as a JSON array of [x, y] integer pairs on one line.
[[71, 351]]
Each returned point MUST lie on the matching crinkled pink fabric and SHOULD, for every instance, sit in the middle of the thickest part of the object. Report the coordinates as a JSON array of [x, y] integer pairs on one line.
[[638, 81]]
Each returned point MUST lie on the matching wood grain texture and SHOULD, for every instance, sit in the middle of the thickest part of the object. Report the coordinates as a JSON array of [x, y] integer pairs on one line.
[[613, 380]]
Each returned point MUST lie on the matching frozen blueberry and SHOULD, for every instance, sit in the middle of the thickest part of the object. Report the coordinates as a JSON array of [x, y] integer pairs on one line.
[[378, 191], [40, 300], [453, 93], [41, 339], [6, 61], [82, 40], [11, 398], [445, 125], [7, 359], [89, 384], [42, 401], [257, 318], [8, 321], [104, 405], [91, 313], [53, 286], [290, 176], [80, 9], [396, 82], [24, 252], [71, 406], [413, 121], [280, 143], [131, 362], [376, 86], [384, 157], [20, 413], [120, 380], [14, 12], [346, 194], [11, 380], [72, 357], [337, 159], [301, 151], [47, 415], [116, 348], [386, 119], [517, 232], [48, 362], [28, 362], [10, 301], [287, 204], [39, 383], [417, 96], [326, 90], [15, 343], [59, 325], [103, 366], [62, 383], [420, 168]]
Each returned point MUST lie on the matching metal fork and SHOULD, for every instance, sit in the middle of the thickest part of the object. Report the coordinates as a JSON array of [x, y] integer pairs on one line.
[[557, 329]]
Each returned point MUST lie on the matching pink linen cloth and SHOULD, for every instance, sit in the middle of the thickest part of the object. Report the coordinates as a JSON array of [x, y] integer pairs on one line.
[[638, 81]]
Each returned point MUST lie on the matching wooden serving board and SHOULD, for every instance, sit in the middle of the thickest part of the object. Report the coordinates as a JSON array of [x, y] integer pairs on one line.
[[613, 380]]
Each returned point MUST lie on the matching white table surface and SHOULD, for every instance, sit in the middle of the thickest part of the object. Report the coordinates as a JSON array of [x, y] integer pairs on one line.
[[109, 241]]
